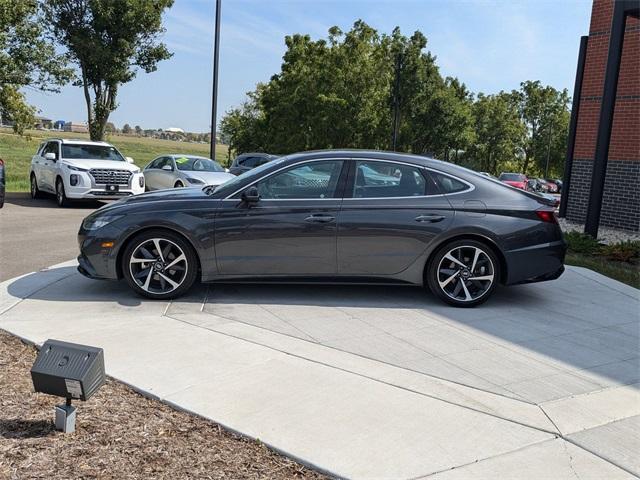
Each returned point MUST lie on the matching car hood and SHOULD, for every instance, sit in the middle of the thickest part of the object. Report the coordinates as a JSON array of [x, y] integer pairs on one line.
[[82, 163], [211, 178], [168, 195]]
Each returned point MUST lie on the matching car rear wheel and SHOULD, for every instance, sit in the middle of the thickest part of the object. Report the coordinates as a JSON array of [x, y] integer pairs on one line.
[[178, 185], [464, 273], [61, 196], [159, 264], [35, 191]]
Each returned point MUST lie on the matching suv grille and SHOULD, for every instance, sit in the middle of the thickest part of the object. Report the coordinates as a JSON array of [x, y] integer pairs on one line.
[[110, 176]]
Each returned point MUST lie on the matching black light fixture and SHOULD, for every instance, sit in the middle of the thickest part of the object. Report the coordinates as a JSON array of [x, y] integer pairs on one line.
[[70, 371]]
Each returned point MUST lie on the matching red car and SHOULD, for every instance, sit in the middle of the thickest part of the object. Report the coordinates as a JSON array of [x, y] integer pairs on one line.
[[517, 180]]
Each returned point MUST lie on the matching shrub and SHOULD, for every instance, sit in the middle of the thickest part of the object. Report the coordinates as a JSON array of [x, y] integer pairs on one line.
[[625, 251], [582, 243]]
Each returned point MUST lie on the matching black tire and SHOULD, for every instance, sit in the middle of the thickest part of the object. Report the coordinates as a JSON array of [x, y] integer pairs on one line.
[[61, 196], [458, 289], [178, 185], [165, 236], [35, 191]]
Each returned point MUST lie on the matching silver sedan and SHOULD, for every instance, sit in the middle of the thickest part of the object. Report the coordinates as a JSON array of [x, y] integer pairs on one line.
[[176, 170]]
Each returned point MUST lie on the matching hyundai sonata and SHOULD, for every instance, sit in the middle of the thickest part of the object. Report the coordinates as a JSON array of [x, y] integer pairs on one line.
[[331, 217]]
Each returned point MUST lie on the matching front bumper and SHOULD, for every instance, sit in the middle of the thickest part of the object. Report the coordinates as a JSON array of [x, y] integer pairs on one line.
[[536, 263], [95, 261], [86, 188]]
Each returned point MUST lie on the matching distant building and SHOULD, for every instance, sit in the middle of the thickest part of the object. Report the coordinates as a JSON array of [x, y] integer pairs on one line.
[[174, 130], [76, 127], [59, 125], [42, 123]]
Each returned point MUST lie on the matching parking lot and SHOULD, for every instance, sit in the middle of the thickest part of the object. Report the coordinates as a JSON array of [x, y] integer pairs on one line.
[[360, 381]]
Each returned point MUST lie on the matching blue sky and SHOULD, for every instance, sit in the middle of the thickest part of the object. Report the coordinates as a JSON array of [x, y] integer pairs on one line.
[[491, 45]]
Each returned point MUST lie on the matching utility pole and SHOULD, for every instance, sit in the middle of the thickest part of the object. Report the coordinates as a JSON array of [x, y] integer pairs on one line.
[[214, 96], [546, 168], [396, 103]]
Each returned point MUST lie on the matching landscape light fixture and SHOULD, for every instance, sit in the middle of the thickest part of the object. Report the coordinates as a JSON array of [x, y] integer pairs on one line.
[[71, 371]]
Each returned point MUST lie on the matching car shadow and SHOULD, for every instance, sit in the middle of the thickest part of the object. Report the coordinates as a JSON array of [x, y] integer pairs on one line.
[[48, 201]]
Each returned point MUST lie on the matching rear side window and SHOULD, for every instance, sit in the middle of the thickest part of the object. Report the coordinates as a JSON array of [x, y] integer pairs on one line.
[[376, 179], [448, 184]]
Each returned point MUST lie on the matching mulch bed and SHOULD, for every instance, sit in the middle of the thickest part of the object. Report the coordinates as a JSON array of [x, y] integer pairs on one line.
[[119, 434]]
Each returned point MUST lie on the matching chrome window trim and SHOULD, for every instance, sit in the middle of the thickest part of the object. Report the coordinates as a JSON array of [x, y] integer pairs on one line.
[[417, 166]]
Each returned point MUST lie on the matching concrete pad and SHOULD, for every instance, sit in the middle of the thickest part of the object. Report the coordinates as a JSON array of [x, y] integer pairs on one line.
[[551, 459], [366, 381], [617, 442], [582, 412]]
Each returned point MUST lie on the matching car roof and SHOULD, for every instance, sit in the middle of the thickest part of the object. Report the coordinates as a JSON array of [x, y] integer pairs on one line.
[[183, 155], [77, 141]]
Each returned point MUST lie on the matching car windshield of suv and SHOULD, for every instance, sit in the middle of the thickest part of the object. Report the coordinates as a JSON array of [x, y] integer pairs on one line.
[[198, 164], [91, 152], [512, 177]]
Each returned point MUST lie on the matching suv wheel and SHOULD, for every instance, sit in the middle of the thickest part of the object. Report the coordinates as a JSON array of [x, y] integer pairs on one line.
[[463, 273], [159, 264], [35, 191], [61, 196], [178, 185]]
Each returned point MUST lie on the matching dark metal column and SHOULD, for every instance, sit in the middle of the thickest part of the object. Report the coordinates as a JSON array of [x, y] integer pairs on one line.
[[571, 141], [214, 99]]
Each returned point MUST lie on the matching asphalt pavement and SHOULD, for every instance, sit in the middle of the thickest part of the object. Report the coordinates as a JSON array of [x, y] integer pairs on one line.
[[35, 234]]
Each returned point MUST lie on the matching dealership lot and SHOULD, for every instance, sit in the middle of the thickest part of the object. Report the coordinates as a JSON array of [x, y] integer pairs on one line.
[[542, 381]]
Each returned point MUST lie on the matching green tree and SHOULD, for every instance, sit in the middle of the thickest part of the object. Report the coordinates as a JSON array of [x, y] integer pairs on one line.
[[126, 129], [109, 40], [138, 129], [545, 113], [27, 59]]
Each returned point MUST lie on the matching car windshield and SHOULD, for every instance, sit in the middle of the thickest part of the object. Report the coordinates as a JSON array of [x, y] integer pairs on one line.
[[249, 175], [512, 177], [91, 152], [198, 164]]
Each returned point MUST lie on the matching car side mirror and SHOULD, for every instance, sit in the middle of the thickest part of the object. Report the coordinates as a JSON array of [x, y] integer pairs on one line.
[[129, 159], [50, 156], [251, 195], [168, 168]]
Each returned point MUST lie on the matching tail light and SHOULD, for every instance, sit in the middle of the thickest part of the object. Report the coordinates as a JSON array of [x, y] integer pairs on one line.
[[548, 216], [1, 163]]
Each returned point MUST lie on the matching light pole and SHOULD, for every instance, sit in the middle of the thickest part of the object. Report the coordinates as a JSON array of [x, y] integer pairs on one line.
[[214, 99]]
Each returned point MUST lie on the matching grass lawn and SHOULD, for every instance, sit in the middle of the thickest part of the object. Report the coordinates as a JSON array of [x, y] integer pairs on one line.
[[624, 272], [119, 435], [17, 151]]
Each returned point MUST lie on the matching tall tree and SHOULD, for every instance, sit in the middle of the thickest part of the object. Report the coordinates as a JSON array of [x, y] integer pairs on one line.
[[109, 40], [27, 60]]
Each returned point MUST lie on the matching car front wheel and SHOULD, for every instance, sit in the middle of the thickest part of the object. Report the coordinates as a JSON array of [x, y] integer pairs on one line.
[[464, 273], [159, 264], [61, 196]]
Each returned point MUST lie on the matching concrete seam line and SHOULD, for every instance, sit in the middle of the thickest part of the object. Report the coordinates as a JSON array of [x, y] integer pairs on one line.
[[415, 392], [523, 447], [604, 284], [600, 456], [550, 419]]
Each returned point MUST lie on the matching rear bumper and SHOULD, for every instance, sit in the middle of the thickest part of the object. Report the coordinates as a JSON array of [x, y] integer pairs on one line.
[[537, 263]]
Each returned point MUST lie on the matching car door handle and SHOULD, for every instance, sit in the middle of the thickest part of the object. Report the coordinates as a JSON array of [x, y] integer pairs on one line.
[[319, 218], [432, 218]]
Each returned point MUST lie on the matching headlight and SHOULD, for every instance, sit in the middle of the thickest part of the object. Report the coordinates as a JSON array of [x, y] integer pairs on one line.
[[195, 181], [137, 170], [98, 221], [75, 169]]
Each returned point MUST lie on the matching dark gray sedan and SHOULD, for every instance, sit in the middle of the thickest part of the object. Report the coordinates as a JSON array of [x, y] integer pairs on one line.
[[335, 217]]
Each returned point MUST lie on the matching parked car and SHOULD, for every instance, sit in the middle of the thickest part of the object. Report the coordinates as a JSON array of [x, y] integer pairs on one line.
[[247, 161], [555, 185], [177, 170], [517, 180], [333, 227], [2, 183], [83, 170]]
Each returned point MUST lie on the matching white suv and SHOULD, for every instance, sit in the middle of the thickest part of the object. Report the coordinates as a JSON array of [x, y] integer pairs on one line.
[[80, 169]]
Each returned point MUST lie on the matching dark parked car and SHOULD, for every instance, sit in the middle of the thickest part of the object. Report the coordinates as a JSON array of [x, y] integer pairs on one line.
[[2, 183], [247, 161], [330, 216]]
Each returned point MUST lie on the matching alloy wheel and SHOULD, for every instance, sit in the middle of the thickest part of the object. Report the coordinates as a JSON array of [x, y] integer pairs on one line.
[[158, 266], [465, 273]]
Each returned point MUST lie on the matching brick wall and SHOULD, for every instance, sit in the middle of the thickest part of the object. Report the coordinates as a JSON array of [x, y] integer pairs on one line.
[[621, 203]]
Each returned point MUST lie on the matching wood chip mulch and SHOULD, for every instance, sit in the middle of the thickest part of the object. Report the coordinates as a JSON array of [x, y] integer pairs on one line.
[[119, 434]]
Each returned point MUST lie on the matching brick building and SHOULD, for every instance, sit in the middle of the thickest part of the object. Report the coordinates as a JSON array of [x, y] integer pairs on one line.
[[603, 160]]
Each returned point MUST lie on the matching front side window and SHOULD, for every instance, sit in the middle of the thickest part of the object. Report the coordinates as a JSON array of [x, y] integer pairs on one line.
[[310, 180], [376, 179], [51, 147], [197, 164], [91, 152]]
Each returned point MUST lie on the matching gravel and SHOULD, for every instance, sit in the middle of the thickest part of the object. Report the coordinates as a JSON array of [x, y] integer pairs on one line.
[[605, 235], [119, 434]]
